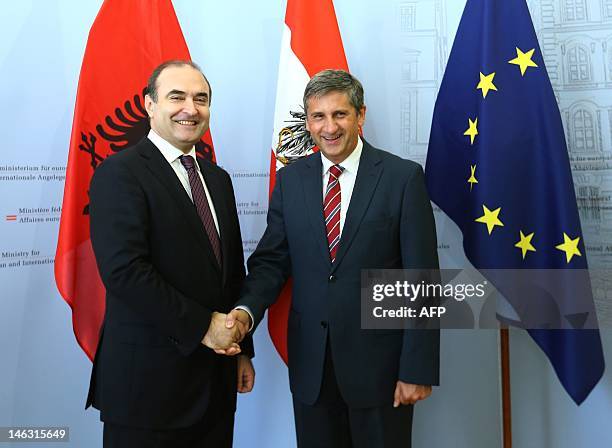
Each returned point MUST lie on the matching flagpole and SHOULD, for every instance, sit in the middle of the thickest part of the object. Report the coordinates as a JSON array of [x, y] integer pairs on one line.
[[504, 342]]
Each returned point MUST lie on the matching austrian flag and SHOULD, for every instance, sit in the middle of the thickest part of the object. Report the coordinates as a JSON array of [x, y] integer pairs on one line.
[[311, 42]]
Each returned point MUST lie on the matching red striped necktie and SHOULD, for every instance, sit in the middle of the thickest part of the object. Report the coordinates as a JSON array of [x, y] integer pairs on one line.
[[331, 210], [201, 203]]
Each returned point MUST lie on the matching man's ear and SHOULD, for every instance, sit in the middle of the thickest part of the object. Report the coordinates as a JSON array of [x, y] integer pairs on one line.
[[149, 105], [361, 116]]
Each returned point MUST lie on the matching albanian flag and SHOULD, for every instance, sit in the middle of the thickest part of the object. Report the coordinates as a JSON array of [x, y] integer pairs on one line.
[[127, 40]]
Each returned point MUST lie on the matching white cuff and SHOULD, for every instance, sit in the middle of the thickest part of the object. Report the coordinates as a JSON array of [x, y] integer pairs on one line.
[[248, 311]]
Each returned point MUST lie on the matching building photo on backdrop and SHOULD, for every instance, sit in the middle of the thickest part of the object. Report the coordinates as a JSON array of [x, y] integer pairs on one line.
[[495, 117]]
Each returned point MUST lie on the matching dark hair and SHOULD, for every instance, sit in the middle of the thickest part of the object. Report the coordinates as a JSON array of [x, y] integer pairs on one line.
[[328, 81], [152, 83]]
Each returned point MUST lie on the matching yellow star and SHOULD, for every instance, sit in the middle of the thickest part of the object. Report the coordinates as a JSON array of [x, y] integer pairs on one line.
[[486, 84], [569, 246], [525, 243], [523, 60], [472, 130], [490, 218], [472, 179]]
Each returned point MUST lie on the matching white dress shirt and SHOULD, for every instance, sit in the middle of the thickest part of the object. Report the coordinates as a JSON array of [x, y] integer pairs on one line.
[[172, 154], [350, 166]]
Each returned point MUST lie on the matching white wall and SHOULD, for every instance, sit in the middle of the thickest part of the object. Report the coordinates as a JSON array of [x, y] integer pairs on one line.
[[44, 375]]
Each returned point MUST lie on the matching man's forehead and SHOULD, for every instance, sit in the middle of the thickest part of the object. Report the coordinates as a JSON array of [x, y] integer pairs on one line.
[[332, 94], [336, 99], [182, 78]]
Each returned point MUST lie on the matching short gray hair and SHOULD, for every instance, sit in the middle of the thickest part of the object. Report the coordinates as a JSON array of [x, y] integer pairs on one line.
[[152, 83], [328, 81]]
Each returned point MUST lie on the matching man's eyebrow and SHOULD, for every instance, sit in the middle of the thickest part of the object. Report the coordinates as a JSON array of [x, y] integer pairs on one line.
[[180, 92], [335, 111], [175, 92]]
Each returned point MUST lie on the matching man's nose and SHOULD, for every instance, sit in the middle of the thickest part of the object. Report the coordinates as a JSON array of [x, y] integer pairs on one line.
[[189, 106], [330, 125]]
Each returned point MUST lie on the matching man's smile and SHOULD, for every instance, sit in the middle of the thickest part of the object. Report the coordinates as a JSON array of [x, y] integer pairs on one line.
[[332, 139], [186, 122]]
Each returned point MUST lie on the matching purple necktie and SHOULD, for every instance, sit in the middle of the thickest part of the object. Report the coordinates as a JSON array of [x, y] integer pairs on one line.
[[201, 203]]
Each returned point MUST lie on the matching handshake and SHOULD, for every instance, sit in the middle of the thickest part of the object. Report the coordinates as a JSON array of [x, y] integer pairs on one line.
[[226, 331]]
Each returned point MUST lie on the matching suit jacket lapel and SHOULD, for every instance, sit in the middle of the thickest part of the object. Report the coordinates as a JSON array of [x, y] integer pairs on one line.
[[368, 175], [220, 199], [166, 175], [312, 180]]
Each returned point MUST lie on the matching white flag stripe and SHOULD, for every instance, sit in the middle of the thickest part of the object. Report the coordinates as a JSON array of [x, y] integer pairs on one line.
[[292, 79]]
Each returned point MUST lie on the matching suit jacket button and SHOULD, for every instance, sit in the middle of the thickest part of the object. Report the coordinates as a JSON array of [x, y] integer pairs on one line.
[[324, 324], [332, 278]]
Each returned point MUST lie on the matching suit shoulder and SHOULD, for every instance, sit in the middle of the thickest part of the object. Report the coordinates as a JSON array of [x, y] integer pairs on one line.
[[209, 167], [126, 156], [293, 168], [303, 161], [396, 163], [121, 164], [205, 163]]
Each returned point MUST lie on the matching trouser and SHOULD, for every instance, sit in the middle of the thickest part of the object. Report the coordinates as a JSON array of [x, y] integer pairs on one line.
[[330, 423]]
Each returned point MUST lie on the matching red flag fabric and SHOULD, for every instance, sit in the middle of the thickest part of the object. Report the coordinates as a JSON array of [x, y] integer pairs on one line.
[[127, 40], [311, 42]]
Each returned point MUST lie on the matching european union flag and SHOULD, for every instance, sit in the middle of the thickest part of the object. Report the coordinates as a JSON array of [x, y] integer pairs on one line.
[[497, 165]]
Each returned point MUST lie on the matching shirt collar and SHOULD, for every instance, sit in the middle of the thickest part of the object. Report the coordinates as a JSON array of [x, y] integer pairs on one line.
[[350, 164], [170, 152]]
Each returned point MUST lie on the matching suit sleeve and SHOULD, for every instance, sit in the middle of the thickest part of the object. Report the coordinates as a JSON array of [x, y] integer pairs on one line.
[[237, 280], [420, 357], [269, 266], [119, 227]]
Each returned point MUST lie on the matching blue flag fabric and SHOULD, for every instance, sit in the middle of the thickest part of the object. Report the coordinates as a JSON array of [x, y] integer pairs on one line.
[[497, 165]]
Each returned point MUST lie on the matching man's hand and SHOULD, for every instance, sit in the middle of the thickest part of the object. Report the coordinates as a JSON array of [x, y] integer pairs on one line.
[[240, 319], [238, 322], [220, 338], [246, 374], [406, 393]]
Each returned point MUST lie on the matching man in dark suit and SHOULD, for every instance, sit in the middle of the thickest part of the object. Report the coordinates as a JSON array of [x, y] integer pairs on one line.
[[346, 208], [166, 236]]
